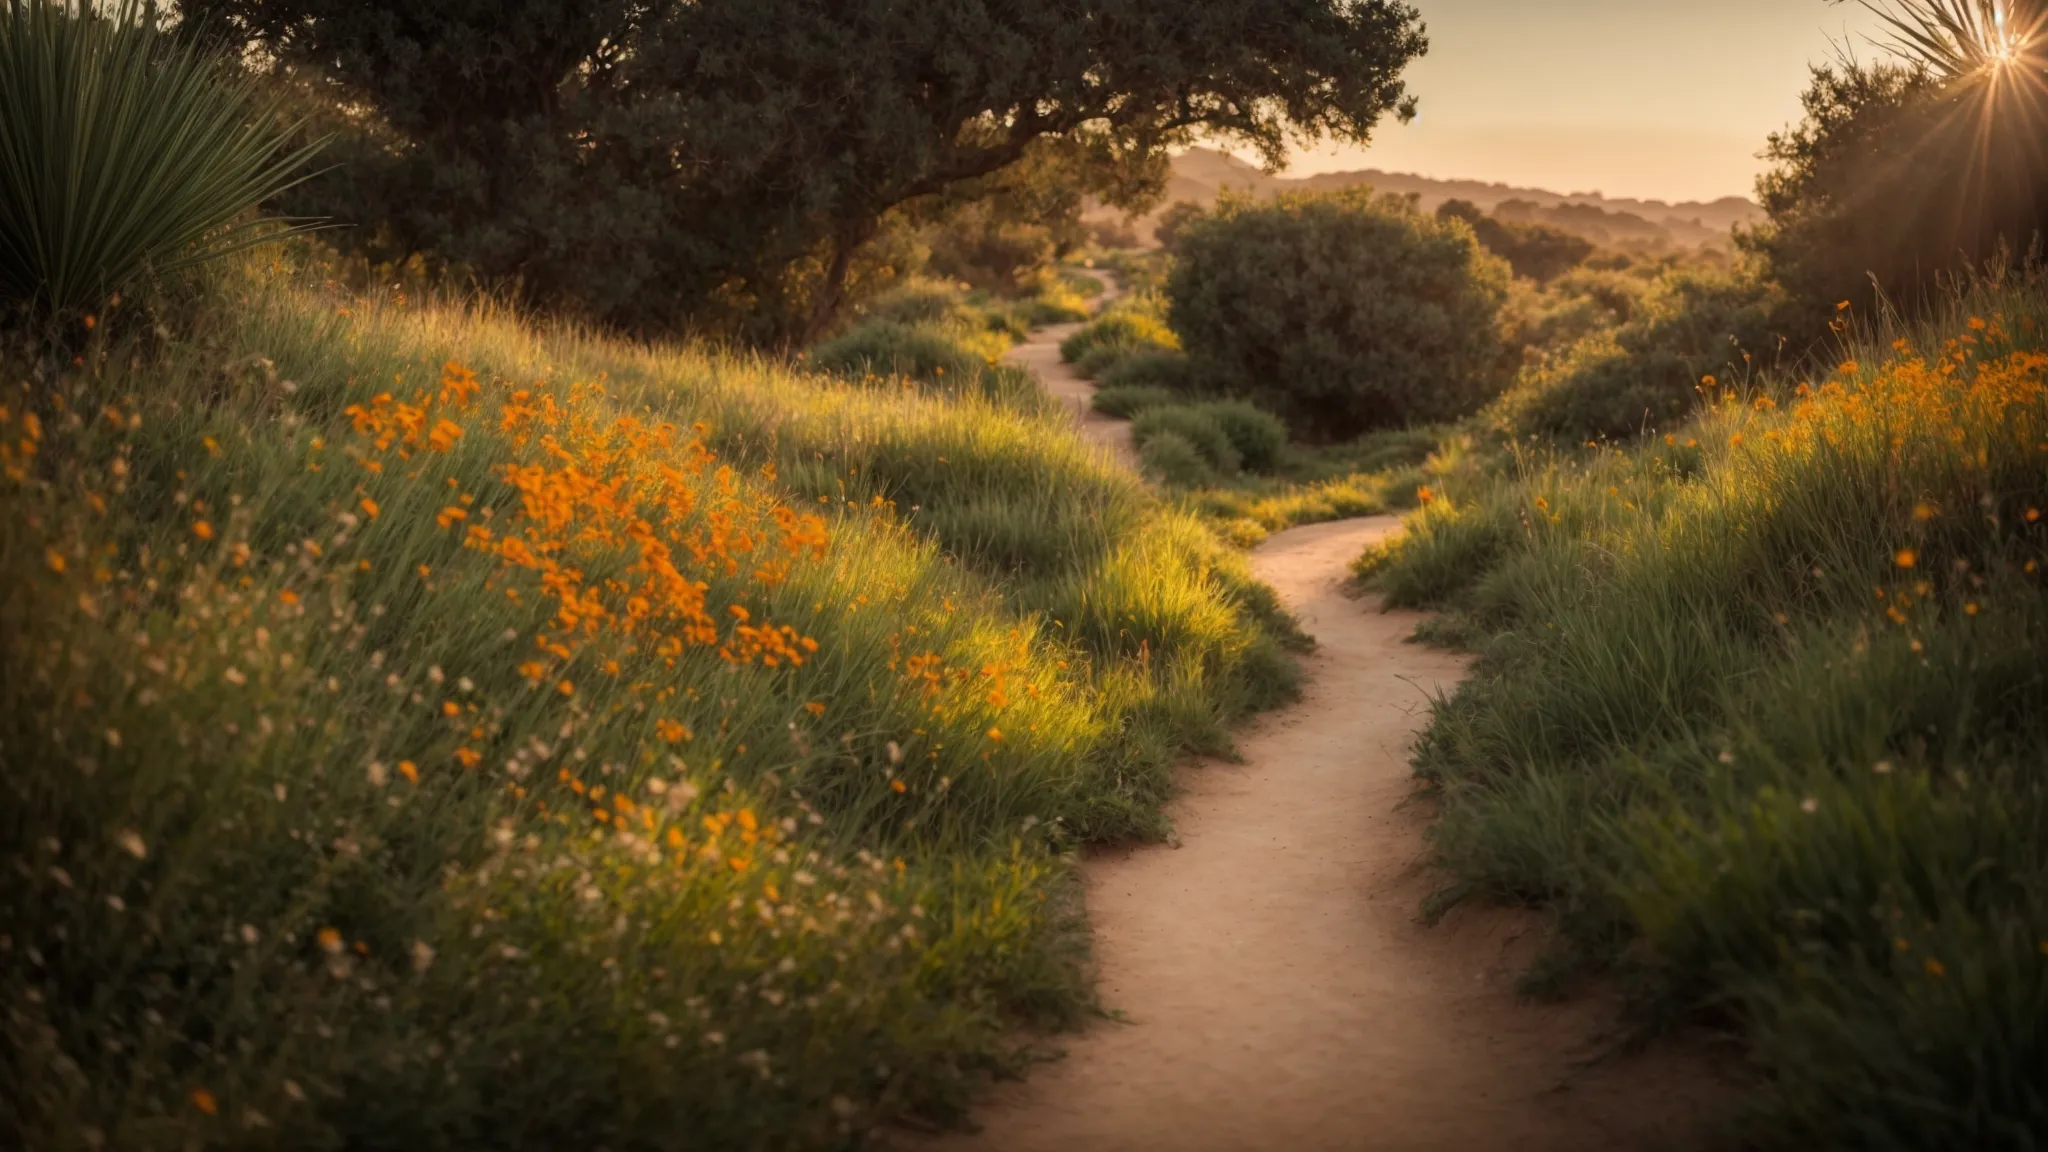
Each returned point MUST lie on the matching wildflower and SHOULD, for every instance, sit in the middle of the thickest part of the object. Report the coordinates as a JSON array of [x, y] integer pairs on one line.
[[447, 517], [1905, 558], [2033, 515], [1424, 494], [369, 507], [815, 708], [566, 688], [376, 773], [202, 529], [330, 941], [131, 843], [670, 730], [205, 1102], [409, 770], [1923, 511], [1935, 968], [55, 559], [468, 757], [1842, 307], [422, 956], [898, 786], [288, 597]]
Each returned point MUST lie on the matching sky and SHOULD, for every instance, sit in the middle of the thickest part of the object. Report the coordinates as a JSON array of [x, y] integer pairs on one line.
[[1662, 99]]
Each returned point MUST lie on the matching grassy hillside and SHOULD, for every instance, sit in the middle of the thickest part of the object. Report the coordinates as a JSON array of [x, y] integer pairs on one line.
[[425, 729], [1761, 716]]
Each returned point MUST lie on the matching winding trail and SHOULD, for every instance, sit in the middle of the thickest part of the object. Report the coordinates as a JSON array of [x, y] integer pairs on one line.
[[1041, 354], [1271, 983]]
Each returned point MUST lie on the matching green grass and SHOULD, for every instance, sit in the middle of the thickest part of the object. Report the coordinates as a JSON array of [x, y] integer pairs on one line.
[[304, 771], [1132, 325], [1760, 717]]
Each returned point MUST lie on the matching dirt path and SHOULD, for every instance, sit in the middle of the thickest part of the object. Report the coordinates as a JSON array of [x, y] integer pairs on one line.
[[1275, 988], [1041, 354]]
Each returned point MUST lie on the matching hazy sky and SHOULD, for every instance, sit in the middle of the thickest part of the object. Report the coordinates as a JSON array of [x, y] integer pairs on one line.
[[1652, 98]]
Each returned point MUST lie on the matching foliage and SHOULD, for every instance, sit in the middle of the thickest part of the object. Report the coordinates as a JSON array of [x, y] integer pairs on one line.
[[1175, 220], [1124, 401], [1259, 436], [935, 356], [1155, 369], [1535, 251], [1690, 333], [123, 152], [1176, 461], [728, 163], [1005, 230], [1342, 313], [426, 731], [1760, 714], [1132, 325], [1897, 177], [1195, 425]]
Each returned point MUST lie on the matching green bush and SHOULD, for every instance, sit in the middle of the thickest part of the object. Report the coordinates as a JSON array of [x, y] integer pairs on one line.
[[125, 151], [1648, 375], [1342, 313], [1153, 369], [1174, 460], [952, 359], [920, 302], [1126, 401], [1762, 721], [1258, 435], [1194, 424], [1131, 325]]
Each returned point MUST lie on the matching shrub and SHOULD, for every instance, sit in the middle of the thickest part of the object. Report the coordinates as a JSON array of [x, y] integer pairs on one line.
[[1173, 460], [1648, 375], [1126, 401], [1535, 251], [1342, 313], [1153, 369], [1259, 436], [1194, 424], [919, 302], [947, 358], [126, 151], [1129, 326]]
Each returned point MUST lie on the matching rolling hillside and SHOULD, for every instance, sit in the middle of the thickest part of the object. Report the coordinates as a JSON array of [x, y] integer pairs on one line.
[[1201, 174]]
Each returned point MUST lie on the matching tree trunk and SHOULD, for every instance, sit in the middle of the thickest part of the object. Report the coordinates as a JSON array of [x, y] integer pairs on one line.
[[831, 292]]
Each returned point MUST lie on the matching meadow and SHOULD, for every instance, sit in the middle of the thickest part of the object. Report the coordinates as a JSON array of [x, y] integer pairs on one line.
[[429, 726], [1759, 718]]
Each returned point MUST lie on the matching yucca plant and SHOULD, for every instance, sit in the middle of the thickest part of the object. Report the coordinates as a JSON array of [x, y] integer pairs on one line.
[[124, 150], [1960, 39]]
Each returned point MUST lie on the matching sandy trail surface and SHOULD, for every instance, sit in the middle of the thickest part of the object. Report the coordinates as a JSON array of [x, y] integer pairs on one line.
[[1041, 354], [1272, 985]]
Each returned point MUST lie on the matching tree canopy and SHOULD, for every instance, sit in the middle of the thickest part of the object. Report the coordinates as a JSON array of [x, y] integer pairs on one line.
[[656, 163]]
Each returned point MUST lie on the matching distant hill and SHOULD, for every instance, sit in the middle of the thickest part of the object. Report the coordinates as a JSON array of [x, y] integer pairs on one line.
[[1201, 174]]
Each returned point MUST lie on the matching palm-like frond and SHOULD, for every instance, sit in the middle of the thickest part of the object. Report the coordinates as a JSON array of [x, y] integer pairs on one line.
[[121, 150], [1962, 38]]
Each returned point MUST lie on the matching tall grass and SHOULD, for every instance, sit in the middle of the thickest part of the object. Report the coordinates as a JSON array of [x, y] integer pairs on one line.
[[423, 729], [122, 150], [1761, 716]]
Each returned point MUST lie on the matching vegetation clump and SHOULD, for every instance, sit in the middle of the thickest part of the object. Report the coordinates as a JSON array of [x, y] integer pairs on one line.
[[1341, 313], [1760, 716]]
